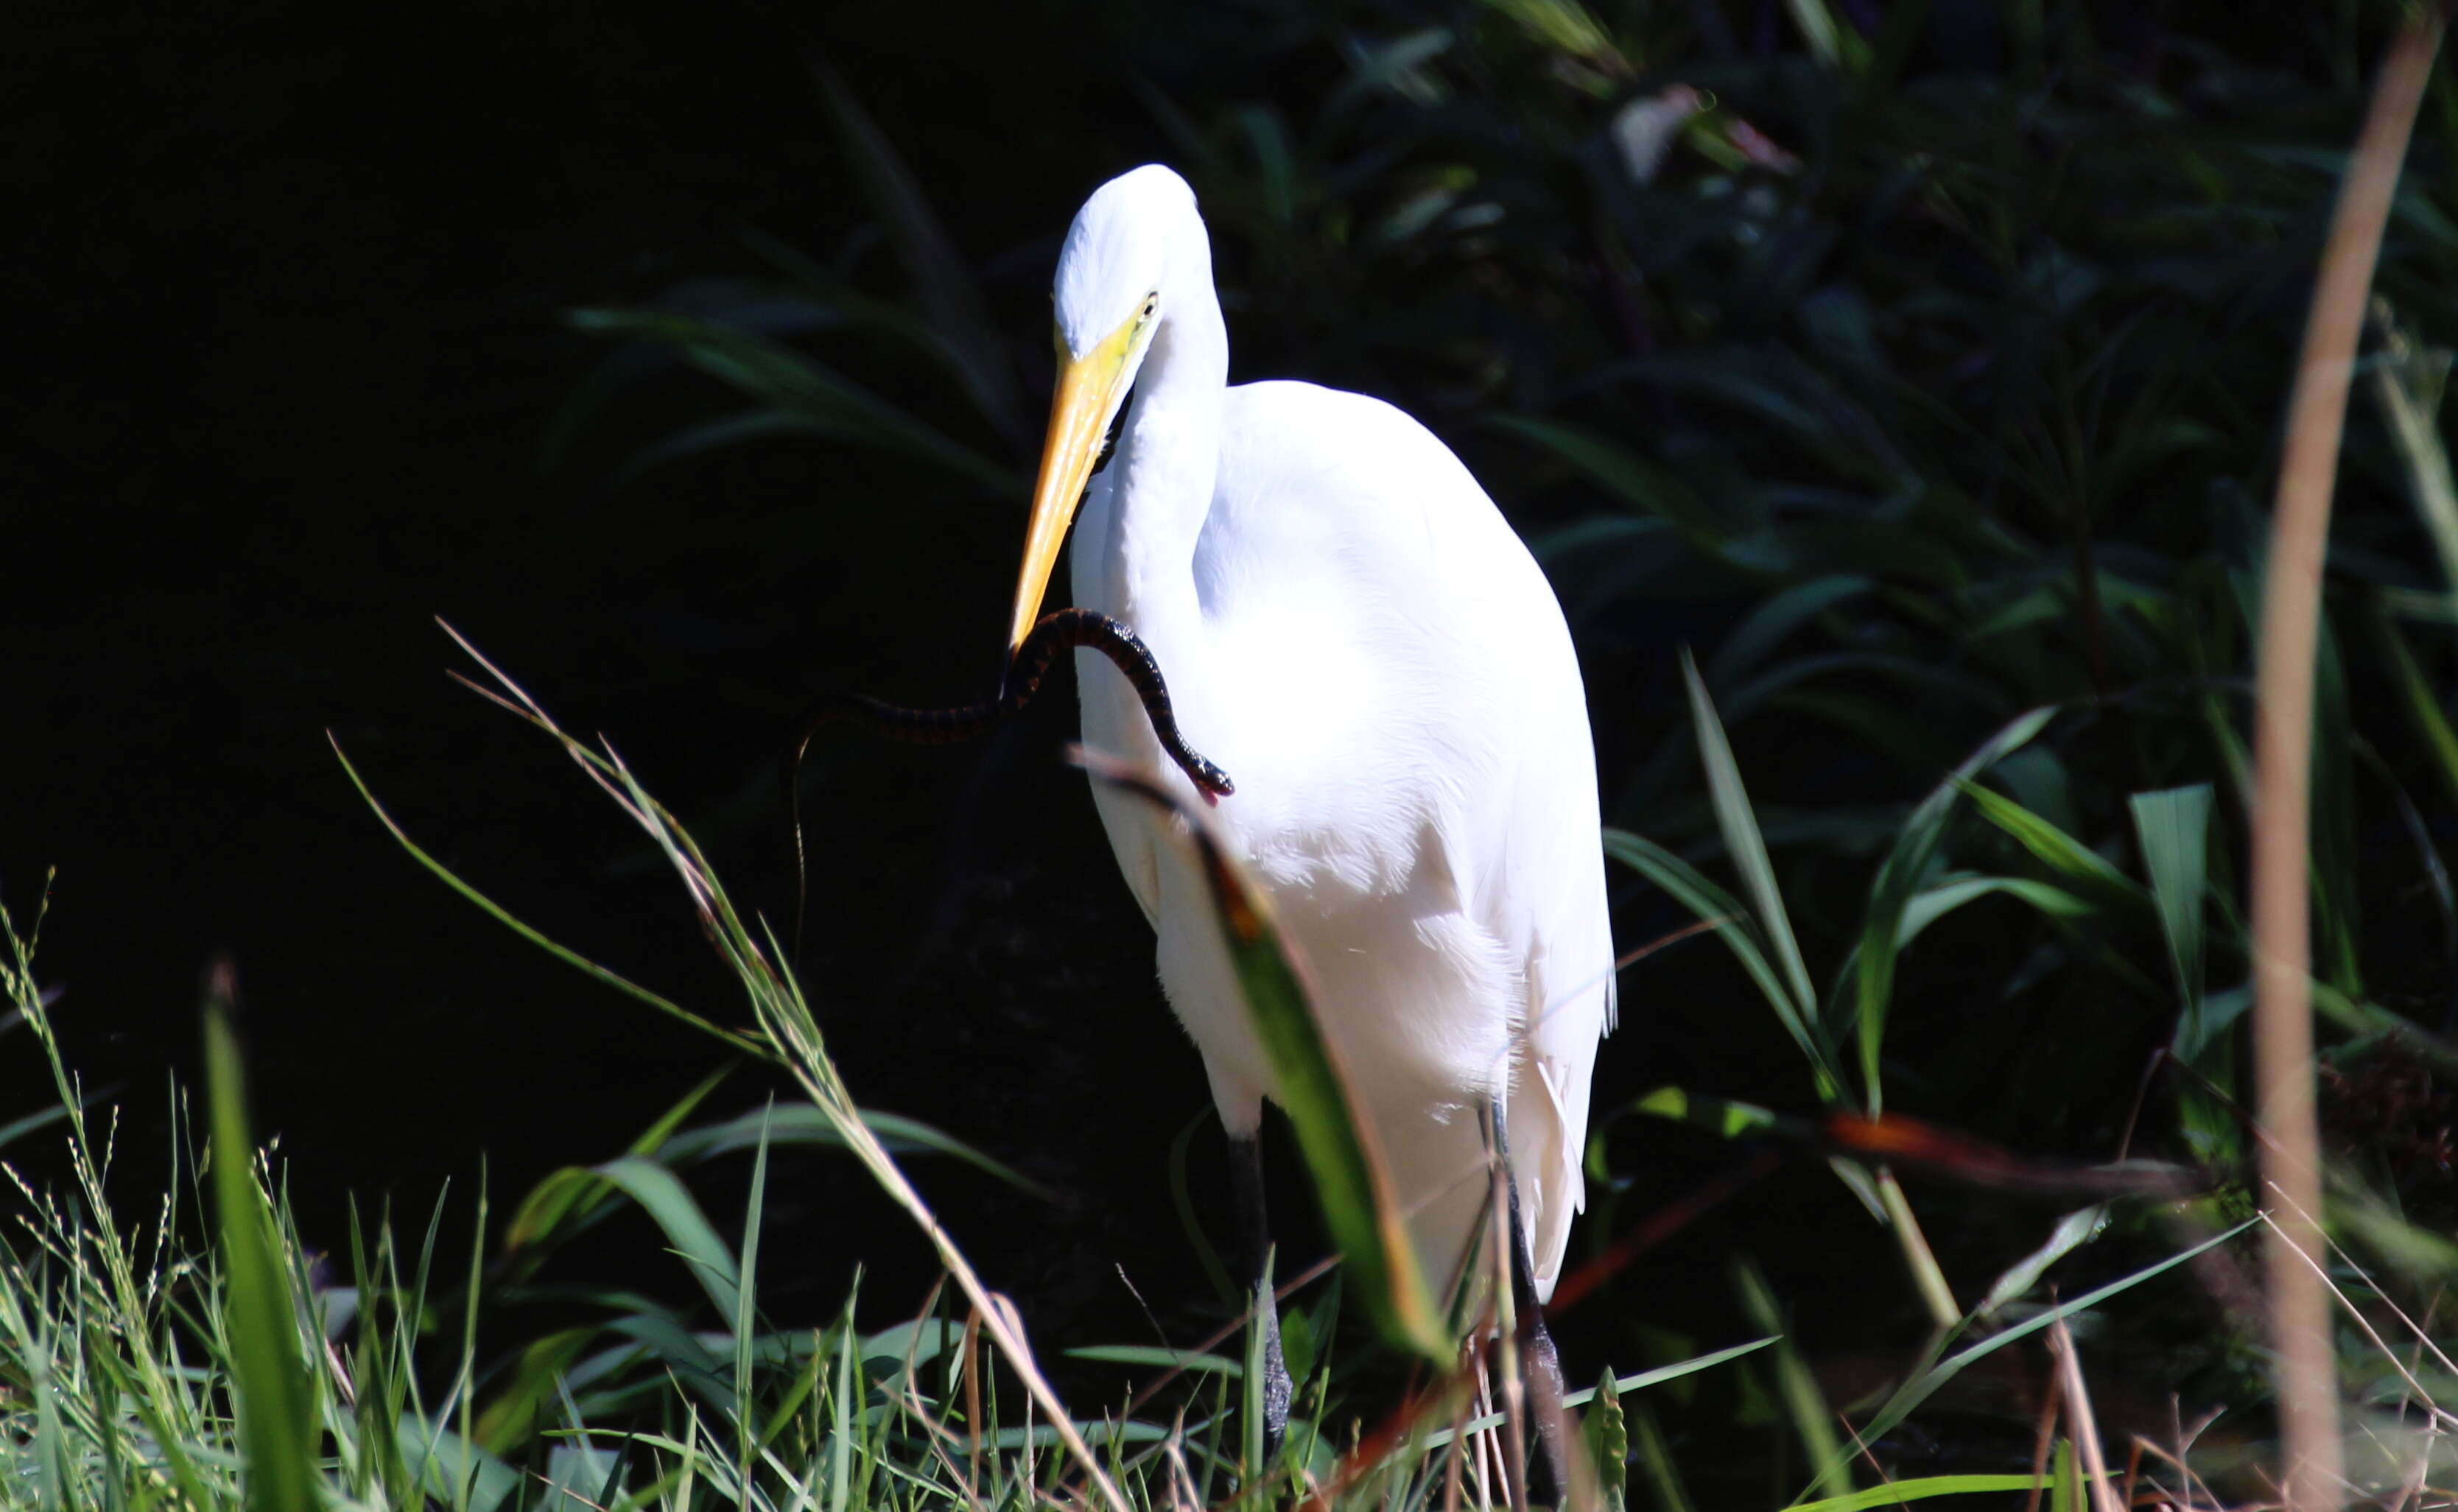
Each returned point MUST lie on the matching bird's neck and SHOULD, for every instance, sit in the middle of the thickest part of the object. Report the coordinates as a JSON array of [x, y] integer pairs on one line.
[[1169, 453]]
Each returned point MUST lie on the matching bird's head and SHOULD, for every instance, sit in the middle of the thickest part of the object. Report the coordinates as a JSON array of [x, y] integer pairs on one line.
[[1136, 241]]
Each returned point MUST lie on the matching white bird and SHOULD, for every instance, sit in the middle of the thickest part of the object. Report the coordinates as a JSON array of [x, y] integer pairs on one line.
[[1350, 628]]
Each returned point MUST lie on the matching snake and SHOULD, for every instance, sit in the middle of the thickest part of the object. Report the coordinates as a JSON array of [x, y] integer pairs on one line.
[[1061, 630]]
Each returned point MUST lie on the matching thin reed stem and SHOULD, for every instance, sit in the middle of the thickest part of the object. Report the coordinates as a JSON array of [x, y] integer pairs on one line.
[[2312, 1474]]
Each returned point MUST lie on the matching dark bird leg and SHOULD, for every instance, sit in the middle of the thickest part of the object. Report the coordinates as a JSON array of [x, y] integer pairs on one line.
[[1539, 1365], [1253, 1246]]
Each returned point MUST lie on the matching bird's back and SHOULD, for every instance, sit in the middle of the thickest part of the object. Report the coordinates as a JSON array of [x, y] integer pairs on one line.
[[1402, 707]]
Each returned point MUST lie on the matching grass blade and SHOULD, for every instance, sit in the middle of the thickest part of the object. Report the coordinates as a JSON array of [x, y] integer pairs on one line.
[[1733, 926], [687, 1229], [1913, 1393], [2173, 826], [1798, 1389], [1351, 1184], [674, 1010], [2419, 703], [1900, 877], [1640, 1381], [277, 1426], [944, 284], [2085, 868], [819, 398], [1924, 1488], [1739, 825]]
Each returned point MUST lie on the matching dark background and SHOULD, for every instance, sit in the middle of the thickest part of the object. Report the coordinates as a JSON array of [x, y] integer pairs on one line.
[[288, 353], [295, 337]]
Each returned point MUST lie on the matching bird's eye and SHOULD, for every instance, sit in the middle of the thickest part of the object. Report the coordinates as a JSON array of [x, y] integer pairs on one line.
[[1152, 306]]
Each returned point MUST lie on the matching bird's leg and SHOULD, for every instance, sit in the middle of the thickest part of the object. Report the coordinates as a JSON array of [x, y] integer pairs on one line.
[[1540, 1365], [1064, 630], [1254, 1255]]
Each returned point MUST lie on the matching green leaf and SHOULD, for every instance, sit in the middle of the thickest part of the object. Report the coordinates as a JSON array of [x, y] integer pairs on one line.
[[819, 400], [1564, 25], [1351, 1184], [1719, 1116], [1655, 1459], [943, 281], [1642, 485], [801, 1123], [277, 1437], [1767, 627], [746, 1307], [2173, 826], [2418, 702], [2073, 1231], [1154, 1357], [453, 1470], [510, 1420], [1926, 907], [573, 958], [1924, 1488], [1803, 1401], [1913, 1393], [661, 1195], [1743, 841], [2069, 858], [1640, 1381], [1690, 888], [1607, 1431], [1253, 1380], [1902, 877]]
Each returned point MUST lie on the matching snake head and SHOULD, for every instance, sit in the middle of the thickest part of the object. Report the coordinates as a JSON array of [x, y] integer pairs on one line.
[[1209, 781]]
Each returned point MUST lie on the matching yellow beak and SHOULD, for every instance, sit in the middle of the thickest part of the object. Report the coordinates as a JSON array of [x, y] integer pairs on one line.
[[1089, 390]]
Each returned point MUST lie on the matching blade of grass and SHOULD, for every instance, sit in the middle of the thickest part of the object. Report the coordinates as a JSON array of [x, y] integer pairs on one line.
[[1921, 1386], [2409, 382], [1639, 1382], [677, 1215], [819, 398], [776, 999], [1734, 926], [277, 1428], [1740, 824], [2419, 703], [2085, 869], [2173, 827], [1900, 878], [1798, 1389], [1351, 1184], [571, 957], [944, 284], [746, 1310], [1925, 1488]]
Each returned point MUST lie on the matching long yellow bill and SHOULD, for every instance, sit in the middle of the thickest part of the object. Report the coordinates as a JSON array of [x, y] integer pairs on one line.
[[1089, 390]]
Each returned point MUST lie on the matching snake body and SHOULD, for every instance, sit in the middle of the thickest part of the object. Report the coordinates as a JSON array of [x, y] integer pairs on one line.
[[1064, 630]]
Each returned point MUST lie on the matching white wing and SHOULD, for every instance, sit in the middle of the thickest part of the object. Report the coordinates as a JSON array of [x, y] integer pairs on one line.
[[1404, 712]]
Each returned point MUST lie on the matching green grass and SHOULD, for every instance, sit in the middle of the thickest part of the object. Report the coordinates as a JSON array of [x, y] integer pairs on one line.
[[180, 1362]]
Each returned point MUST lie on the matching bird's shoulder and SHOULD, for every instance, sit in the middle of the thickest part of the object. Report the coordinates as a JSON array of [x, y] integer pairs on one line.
[[1359, 483], [1283, 429]]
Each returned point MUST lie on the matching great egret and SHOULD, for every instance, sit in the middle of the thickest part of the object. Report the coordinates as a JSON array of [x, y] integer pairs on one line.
[[1352, 631]]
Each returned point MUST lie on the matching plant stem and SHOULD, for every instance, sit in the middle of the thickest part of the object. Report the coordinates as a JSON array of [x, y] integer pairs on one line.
[[2312, 1474]]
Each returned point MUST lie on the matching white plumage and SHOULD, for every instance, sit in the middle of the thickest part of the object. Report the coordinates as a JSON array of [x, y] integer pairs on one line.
[[1350, 628]]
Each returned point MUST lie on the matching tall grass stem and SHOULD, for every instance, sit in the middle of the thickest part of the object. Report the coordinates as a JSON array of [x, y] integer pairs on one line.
[[2312, 1474]]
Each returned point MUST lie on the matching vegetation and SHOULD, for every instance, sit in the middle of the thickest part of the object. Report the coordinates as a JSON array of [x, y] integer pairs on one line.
[[1920, 368]]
